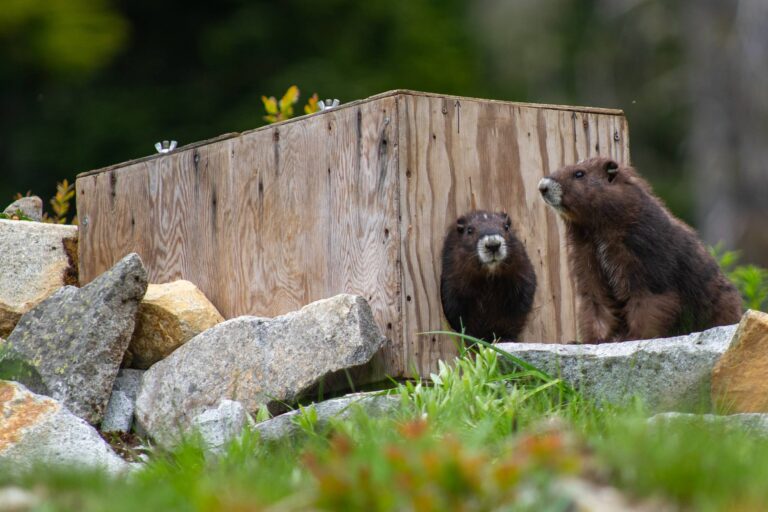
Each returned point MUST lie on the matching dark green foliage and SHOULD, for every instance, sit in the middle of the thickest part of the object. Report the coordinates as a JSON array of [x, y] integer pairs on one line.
[[751, 280], [191, 71]]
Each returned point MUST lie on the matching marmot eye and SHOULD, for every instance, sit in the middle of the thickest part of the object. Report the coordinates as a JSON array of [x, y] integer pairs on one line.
[[506, 226], [470, 230], [578, 174]]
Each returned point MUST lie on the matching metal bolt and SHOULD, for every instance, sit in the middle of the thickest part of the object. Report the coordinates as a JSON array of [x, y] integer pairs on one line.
[[165, 146], [616, 136], [328, 104], [85, 221]]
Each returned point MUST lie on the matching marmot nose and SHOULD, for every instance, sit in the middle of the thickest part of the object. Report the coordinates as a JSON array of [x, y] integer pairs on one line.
[[493, 246], [544, 186]]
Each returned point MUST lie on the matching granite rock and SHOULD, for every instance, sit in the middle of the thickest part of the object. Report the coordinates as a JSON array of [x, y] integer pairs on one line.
[[38, 431], [169, 315], [284, 425], [256, 361], [75, 339], [118, 417], [740, 377], [31, 206], [666, 373], [219, 426], [38, 259]]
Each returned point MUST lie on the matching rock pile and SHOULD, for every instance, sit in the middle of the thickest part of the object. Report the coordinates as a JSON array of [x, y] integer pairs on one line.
[[203, 374]]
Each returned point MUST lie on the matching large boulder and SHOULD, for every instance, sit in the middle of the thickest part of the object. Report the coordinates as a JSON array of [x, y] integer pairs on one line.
[[666, 373], [38, 259], [169, 315], [740, 377], [75, 340], [255, 361], [37, 431]]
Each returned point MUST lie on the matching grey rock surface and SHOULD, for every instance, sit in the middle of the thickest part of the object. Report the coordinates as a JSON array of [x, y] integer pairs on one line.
[[38, 259], [76, 339], [219, 426], [752, 422], [31, 206], [666, 373], [255, 361], [284, 425], [37, 430], [118, 416]]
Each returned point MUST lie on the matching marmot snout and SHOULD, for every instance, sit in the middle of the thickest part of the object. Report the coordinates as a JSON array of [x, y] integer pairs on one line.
[[487, 281]]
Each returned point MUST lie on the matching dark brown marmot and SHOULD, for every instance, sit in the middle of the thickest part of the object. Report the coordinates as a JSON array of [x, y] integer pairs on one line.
[[640, 271], [487, 281]]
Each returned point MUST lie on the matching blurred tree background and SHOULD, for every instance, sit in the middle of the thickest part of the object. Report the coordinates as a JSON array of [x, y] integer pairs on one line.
[[88, 83]]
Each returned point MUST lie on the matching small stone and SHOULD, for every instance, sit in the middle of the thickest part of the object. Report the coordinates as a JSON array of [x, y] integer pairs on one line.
[[75, 339], [740, 377], [666, 373], [256, 361], [169, 315], [118, 416], [38, 430], [284, 426], [219, 426], [31, 206], [38, 259], [16, 499], [586, 496]]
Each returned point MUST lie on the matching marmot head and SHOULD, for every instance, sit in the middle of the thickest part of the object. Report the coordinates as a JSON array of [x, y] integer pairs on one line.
[[486, 236], [589, 191]]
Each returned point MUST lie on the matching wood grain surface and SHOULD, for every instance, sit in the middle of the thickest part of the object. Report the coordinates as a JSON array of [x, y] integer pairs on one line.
[[356, 199], [460, 154]]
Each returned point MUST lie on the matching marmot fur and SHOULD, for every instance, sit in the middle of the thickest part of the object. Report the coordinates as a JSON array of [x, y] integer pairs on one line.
[[640, 271], [487, 281]]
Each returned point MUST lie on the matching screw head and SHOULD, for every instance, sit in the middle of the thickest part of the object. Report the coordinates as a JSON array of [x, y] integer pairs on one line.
[[165, 146], [328, 104]]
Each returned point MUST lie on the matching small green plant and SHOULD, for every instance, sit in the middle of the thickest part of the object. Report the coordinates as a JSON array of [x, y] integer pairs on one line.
[[17, 215], [280, 110], [751, 280]]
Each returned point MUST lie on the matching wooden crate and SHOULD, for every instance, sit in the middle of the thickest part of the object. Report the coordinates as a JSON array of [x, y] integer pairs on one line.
[[355, 199]]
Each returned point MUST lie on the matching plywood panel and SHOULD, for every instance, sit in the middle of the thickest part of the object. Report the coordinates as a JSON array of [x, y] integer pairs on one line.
[[464, 154], [266, 222]]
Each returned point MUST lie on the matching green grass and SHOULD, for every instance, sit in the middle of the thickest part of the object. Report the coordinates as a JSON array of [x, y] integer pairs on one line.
[[490, 433]]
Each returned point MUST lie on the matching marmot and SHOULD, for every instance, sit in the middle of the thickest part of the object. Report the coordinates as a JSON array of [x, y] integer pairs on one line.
[[640, 271], [487, 281]]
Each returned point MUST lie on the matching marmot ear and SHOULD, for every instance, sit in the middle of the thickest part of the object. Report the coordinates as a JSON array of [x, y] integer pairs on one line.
[[612, 168], [460, 223]]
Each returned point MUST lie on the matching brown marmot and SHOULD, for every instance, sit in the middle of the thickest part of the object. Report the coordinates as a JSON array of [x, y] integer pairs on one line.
[[640, 271], [487, 281]]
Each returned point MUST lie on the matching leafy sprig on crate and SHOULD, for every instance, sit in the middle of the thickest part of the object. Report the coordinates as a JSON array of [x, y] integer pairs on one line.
[[282, 109]]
